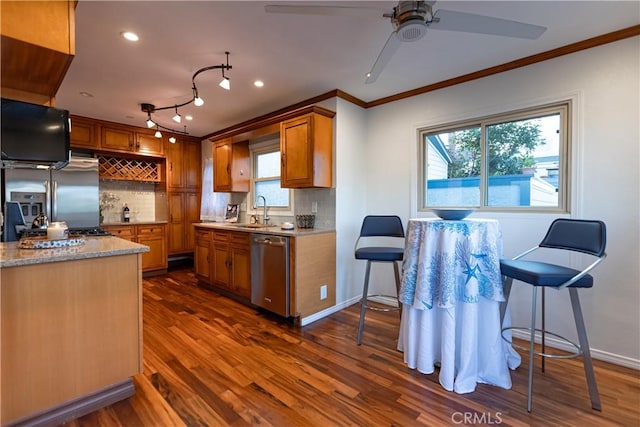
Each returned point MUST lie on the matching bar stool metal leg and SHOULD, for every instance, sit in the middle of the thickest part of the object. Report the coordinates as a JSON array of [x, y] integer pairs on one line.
[[363, 302], [584, 347], [396, 273], [531, 347]]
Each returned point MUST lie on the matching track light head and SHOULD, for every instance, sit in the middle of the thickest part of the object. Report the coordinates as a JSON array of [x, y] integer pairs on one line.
[[225, 83]]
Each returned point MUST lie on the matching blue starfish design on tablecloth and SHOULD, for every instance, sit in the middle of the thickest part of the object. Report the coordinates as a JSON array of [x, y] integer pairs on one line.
[[471, 271]]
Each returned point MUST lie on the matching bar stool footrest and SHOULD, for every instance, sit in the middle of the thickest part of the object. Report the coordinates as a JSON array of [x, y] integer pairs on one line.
[[577, 353], [375, 308]]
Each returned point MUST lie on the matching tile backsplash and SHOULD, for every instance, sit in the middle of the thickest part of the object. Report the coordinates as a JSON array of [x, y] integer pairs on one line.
[[140, 197]]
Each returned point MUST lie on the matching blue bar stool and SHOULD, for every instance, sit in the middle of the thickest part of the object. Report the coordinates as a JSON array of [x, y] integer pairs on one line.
[[387, 226], [585, 236]]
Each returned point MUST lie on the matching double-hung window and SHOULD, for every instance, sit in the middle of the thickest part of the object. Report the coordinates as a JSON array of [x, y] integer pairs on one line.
[[266, 180], [513, 161]]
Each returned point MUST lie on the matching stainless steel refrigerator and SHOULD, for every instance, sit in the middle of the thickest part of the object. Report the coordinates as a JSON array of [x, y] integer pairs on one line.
[[70, 194]]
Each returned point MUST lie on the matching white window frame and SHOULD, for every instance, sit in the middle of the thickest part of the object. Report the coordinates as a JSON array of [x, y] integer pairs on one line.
[[255, 150], [564, 108]]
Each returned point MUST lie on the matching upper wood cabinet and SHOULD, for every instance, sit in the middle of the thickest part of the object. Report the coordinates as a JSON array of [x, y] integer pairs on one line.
[[38, 45], [231, 166], [127, 139], [184, 167], [306, 147], [84, 133]]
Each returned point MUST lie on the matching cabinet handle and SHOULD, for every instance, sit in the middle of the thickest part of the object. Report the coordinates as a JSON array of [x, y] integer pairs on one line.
[[170, 166], [228, 169], [282, 159]]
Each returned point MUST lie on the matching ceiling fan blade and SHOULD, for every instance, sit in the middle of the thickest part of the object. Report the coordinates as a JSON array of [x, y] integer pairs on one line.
[[450, 20], [326, 10], [390, 47]]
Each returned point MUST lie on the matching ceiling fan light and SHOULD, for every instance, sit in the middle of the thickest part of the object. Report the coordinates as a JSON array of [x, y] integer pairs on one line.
[[411, 31], [225, 83]]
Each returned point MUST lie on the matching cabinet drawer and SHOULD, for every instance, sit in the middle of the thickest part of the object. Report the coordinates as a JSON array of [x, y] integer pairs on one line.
[[221, 236], [202, 236], [123, 232], [240, 238], [150, 230]]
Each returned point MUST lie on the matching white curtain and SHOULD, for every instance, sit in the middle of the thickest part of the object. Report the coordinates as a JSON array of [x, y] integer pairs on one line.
[[213, 205]]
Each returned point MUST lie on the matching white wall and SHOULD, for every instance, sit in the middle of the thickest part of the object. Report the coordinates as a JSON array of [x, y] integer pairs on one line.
[[603, 82]]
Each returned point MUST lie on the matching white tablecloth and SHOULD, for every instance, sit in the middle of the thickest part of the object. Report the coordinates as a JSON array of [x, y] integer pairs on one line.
[[451, 291]]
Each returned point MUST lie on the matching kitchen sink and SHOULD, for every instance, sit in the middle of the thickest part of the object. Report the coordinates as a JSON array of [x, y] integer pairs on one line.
[[251, 225]]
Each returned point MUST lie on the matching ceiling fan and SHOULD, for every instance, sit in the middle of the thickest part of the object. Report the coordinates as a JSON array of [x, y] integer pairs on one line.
[[410, 20]]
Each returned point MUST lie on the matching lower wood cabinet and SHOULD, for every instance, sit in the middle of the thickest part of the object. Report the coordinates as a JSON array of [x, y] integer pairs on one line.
[[184, 211], [152, 235], [223, 260]]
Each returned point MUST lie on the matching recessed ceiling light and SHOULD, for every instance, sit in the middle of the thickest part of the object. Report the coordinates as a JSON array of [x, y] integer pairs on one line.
[[86, 94], [130, 36], [188, 117], [258, 83]]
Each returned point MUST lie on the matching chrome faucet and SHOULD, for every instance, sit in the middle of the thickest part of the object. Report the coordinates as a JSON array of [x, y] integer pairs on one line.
[[265, 218]]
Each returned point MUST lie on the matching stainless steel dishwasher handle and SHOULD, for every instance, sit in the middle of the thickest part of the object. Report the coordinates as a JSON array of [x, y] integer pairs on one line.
[[268, 241]]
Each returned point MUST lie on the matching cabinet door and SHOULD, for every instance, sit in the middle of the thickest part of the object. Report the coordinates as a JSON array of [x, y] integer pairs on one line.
[[192, 165], [222, 166], [296, 152], [154, 237], [84, 133], [156, 258], [177, 232], [220, 264], [240, 258], [192, 216], [202, 263], [174, 165], [116, 139], [147, 143]]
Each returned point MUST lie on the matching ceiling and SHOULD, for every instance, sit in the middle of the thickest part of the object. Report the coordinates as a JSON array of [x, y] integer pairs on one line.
[[297, 56]]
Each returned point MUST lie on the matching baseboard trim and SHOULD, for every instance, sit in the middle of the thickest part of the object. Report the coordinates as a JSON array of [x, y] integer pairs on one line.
[[616, 359], [76, 408]]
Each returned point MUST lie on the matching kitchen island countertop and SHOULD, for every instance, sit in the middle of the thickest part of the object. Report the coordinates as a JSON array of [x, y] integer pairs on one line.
[[11, 255]]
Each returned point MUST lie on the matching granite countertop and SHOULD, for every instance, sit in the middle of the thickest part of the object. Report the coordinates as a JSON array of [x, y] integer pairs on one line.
[[275, 229], [11, 255]]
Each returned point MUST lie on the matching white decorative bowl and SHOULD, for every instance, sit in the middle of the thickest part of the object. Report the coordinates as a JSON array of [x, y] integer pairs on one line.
[[452, 214]]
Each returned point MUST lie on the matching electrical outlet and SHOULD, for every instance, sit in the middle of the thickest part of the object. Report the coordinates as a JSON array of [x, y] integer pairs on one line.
[[323, 292], [314, 207]]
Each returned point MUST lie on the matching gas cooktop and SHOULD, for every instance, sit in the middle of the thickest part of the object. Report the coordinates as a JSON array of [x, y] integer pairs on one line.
[[89, 232]]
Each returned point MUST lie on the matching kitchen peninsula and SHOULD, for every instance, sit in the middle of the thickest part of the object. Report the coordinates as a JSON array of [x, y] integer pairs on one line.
[[71, 323]]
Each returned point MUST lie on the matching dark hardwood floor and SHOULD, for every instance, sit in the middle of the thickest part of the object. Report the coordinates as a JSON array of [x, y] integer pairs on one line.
[[210, 361]]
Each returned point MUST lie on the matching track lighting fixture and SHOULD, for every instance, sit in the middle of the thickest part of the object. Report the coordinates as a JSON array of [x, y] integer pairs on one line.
[[150, 123], [172, 139], [177, 118], [197, 101]]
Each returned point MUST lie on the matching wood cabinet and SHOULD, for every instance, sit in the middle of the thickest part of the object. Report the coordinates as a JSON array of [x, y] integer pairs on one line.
[[127, 139], [306, 148], [223, 260], [38, 45], [184, 171], [152, 235], [184, 211], [231, 262], [202, 260], [184, 165], [84, 133], [231, 166], [71, 334]]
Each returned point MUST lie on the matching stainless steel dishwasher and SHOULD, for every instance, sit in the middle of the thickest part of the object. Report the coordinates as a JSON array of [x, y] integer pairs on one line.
[[270, 273]]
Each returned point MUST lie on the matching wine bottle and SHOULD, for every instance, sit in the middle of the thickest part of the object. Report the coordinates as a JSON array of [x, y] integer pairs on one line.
[[125, 213]]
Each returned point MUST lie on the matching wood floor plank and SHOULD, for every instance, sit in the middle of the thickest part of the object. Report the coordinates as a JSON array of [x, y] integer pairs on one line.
[[209, 360]]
